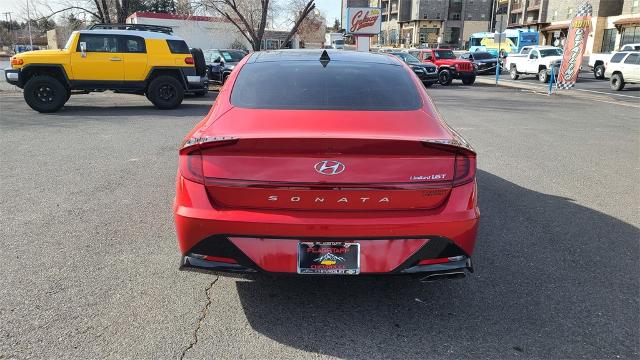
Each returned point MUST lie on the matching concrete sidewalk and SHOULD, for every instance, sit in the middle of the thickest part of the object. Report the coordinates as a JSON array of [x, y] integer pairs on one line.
[[542, 89]]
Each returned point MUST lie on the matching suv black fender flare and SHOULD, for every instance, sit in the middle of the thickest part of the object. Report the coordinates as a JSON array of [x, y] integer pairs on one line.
[[55, 70], [178, 72]]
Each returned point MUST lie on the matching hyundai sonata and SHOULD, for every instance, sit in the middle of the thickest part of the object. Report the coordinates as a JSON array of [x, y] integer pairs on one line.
[[326, 162]]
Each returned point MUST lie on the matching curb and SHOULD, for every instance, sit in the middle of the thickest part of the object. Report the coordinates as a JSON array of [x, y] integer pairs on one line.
[[568, 93]]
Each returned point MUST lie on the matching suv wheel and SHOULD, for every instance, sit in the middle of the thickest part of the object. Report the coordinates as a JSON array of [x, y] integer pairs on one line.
[[598, 72], [45, 94], [165, 92], [616, 82], [543, 77], [469, 80], [444, 77], [513, 73]]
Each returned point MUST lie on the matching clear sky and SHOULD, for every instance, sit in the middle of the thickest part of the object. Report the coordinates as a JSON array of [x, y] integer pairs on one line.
[[330, 8]]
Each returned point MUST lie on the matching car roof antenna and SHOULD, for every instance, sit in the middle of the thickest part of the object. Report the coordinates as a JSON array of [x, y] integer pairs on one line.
[[324, 58]]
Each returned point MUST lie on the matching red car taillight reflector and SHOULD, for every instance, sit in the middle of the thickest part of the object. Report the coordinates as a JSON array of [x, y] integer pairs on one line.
[[220, 259], [189, 60]]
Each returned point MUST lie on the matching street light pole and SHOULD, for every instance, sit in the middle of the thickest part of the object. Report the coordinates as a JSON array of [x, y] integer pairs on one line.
[[29, 25]]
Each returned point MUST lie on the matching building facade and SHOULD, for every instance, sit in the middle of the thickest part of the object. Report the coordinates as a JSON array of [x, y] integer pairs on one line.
[[614, 22], [433, 22]]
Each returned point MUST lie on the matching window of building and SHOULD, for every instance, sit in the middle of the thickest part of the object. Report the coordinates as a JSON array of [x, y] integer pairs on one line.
[[630, 35], [454, 16], [634, 6], [569, 13], [608, 40], [555, 15]]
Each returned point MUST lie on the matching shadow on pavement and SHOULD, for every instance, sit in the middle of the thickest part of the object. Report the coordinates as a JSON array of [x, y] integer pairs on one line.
[[553, 279]]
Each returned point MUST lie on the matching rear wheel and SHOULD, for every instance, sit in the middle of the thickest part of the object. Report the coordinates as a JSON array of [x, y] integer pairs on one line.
[[543, 77], [445, 78], [616, 82], [428, 84], [200, 93], [165, 92], [45, 94], [469, 80], [513, 73], [598, 72]]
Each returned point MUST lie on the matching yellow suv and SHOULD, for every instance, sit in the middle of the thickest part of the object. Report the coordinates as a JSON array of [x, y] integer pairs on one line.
[[128, 58]]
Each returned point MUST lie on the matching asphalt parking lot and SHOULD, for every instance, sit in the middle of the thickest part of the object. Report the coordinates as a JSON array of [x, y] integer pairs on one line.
[[89, 256]]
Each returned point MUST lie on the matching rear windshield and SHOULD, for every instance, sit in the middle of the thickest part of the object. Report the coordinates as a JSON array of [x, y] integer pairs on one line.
[[307, 85], [178, 47]]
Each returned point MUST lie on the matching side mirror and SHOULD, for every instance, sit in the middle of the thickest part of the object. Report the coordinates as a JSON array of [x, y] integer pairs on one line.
[[83, 49]]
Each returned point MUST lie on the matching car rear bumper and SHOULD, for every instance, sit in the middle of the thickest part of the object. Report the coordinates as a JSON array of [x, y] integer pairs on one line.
[[255, 240]]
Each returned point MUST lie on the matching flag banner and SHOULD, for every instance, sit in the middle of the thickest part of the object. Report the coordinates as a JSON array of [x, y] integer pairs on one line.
[[574, 47]]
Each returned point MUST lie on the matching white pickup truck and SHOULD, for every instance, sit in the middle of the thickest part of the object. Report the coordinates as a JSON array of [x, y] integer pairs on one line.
[[598, 61], [534, 60]]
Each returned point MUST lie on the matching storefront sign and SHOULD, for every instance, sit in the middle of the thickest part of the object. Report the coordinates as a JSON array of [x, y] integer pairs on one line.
[[363, 21]]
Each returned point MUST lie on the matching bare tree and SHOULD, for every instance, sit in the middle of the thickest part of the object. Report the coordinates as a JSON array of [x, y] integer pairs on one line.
[[250, 17], [103, 11]]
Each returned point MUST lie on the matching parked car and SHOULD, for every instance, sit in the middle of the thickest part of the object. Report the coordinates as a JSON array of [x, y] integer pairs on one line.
[[426, 72], [534, 60], [485, 62], [221, 62], [598, 61], [624, 68], [449, 67], [126, 58], [326, 162]]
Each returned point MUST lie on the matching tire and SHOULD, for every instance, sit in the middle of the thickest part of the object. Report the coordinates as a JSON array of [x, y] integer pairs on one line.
[[45, 94], [165, 92], [469, 80], [428, 84], [445, 78], [199, 62], [224, 78], [513, 73], [616, 82], [543, 77], [200, 93], [598, 72]]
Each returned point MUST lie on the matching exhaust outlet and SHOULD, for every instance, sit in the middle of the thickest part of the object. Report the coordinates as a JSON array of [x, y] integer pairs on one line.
[[444, 276]]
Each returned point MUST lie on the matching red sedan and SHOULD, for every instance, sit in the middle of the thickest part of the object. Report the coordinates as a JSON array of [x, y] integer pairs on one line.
[[316, 162]]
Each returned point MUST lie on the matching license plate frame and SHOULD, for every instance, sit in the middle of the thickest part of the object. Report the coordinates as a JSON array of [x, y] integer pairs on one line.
[[344, 258]]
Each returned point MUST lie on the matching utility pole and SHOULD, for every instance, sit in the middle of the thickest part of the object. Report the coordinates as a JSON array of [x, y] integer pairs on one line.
[[7, 17], [29, 25]]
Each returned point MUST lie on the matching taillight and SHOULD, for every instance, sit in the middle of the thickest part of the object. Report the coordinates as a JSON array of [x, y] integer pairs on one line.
[[188, 60], [465, 169], [16, 61], [191, 162], [191, 166]]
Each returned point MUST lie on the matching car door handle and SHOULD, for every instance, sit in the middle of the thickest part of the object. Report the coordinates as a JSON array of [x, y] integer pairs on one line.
[[115, 59]]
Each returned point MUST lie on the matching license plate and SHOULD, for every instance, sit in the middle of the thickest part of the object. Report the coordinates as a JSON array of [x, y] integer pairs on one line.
[[329, 258]]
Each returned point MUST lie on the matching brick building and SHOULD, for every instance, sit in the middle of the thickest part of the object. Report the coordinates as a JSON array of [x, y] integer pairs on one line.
[[419, 22]]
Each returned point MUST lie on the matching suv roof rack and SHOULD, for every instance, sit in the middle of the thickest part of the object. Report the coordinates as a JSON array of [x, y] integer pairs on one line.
[[140, 27]]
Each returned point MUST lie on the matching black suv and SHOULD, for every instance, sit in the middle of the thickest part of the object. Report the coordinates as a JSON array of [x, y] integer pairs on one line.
[[427, 72], [220, 63]]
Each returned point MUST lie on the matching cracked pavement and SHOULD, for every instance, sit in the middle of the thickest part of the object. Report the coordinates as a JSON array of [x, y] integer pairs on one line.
[[89, 260]]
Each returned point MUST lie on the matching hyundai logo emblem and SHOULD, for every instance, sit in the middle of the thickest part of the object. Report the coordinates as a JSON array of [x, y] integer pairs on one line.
[[329, 167]]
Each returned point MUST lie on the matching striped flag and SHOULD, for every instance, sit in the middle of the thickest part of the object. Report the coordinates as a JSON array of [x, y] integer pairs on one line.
[[574, 47]]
